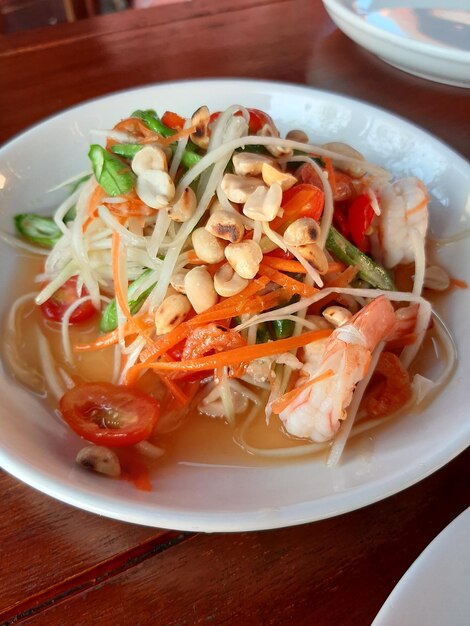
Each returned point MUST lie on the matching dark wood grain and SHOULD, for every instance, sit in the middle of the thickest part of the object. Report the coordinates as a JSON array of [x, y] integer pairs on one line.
[[289, 40], [337, 571], [63, 566], [44, 542]]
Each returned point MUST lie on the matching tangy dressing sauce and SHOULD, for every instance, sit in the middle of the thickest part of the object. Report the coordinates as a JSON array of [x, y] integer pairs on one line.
[[199, 439]]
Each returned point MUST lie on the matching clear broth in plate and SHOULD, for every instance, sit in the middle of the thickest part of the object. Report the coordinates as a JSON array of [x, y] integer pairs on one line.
[[199, 439]]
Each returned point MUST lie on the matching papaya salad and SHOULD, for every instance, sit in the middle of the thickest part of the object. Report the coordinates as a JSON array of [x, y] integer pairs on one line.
[[210, 266]]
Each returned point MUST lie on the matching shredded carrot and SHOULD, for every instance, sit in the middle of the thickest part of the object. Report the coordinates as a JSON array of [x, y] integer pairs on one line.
[[95, 198], [213, 267], [286, 281], [175, 391], [344, 278], [232, 357], [180, 333], [185, 132], [257, 304], [136, 126], [283, 402], [456, 282], [194, 259], [256, 285], [331, 174], [285, 265], [89, 220], [111, 338], [336, 266], [165, 343]]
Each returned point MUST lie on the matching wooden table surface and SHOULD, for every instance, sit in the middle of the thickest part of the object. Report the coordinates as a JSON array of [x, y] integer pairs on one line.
[[59, 565]]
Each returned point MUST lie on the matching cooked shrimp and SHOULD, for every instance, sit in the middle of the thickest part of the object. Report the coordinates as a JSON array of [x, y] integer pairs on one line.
[[405, 321], [316, 413], [404, 208]]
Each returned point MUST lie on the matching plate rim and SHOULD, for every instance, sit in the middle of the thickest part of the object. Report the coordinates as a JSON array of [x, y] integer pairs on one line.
[[252, 520], [462, 57]]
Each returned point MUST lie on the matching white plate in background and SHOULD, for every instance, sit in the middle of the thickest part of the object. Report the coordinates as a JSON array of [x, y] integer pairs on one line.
[[428, 38], [435, 590], [39, 449]]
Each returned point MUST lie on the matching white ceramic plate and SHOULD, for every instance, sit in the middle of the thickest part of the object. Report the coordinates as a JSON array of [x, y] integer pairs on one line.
[[39, 450], [434, 591], [428, 38]]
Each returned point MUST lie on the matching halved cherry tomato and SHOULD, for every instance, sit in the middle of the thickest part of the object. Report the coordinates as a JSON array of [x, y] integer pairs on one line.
[[55, 308], [109, 415], [257, 119], [173, 120], [300, 201], [360, 216]]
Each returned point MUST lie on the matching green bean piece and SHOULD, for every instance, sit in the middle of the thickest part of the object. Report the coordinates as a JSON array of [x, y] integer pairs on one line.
[[42, 231], [126, 150], [369, 270], [262, 333], [283, 328], [129, 150], [152, 121], [190, 158], [108, 321], [111, 172]]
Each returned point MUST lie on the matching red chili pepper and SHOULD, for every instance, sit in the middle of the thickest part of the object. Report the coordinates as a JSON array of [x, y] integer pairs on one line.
[[340, 219], [360, 216]]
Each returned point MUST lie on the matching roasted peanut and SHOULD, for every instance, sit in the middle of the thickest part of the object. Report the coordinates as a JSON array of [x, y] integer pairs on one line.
[[303, 231], [244, 257], [171, 312], [207, 246], [227, 282], [199, 288], [226, 225]]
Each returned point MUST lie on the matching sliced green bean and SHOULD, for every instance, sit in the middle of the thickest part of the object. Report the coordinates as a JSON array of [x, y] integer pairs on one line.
[[42, 231], [126, 150], [369, 270], [111, 172], [152, 121], [283, 328], [262, 333], [108, 321]]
